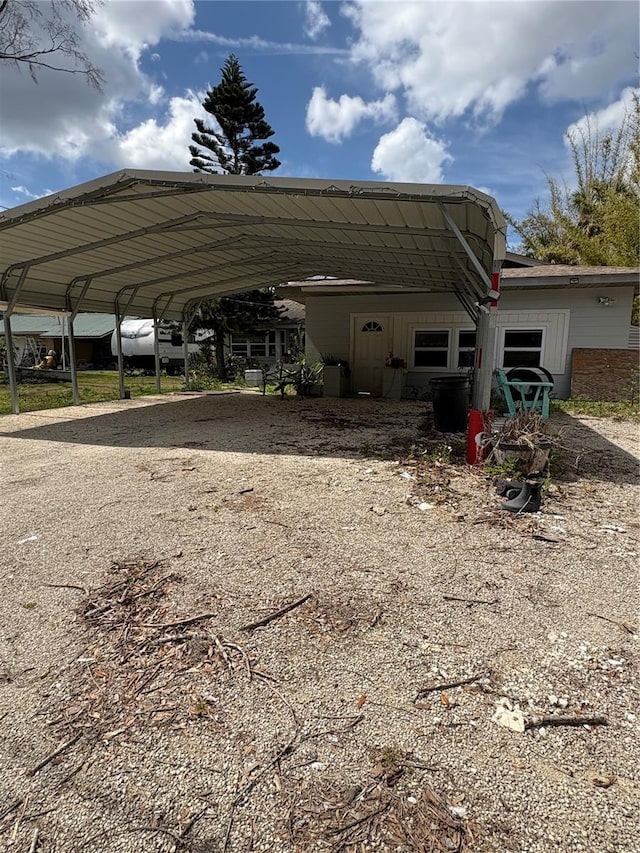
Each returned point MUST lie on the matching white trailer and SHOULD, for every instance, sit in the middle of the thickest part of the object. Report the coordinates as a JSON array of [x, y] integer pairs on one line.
[[137, 345]]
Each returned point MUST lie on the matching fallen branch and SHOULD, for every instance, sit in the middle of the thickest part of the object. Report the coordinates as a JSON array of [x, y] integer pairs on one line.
[[622, 625], [470, 600], [351, 724], [53, 755], [277, 614], [34, 840], [176, 638], [65, 586], [538, 722], [180, 622], [10, 808], [448, 685], [242, 795]]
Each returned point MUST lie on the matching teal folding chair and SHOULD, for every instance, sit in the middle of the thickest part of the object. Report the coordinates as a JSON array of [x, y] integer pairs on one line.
[[524, 388]]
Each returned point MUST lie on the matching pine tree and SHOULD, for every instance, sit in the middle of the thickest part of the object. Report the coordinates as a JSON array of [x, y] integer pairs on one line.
[[238, 147], [233, 149]]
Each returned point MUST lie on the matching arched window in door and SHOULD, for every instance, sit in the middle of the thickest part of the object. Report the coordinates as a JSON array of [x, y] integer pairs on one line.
[[371, 326]]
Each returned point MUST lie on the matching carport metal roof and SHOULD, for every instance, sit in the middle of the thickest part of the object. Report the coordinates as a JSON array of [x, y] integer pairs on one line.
[[146, 242], [155, 244]]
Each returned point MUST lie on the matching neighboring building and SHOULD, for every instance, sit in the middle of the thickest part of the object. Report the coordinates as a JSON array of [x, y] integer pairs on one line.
[[35, 334], [545, 313], [274, 343], [92, 336], [27, 330]]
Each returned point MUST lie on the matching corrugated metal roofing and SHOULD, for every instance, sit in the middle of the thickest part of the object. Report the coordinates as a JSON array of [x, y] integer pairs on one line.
[[143, 240], [86, 326], [28, 324]]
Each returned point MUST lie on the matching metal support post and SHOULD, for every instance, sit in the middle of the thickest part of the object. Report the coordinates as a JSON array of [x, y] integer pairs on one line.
[[485, 346], [467, 248], [11, 363], [156, 350], [121, 388], [185, 347], [11, 360], [72, 362], [72, 341]]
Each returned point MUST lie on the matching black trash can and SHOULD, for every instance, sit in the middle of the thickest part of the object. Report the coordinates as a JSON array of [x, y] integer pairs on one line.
[[450, 403]]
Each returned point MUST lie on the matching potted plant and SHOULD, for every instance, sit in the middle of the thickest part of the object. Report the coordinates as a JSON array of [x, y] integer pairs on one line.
[[523, 443]]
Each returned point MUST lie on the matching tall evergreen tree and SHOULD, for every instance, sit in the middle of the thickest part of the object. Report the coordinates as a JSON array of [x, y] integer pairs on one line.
[[233, 150], [238, 147]]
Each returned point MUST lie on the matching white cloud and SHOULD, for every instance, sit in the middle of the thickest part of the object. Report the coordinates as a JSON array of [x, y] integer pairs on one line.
[[83, 123], [316, 19], [335, 120], [258, 43], [448, 58], [23, 191], [410, 154], [158, 145], [134, 25], [607, 120]]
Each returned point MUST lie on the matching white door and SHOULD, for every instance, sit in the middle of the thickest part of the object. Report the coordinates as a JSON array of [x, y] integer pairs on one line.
[[372, 336]]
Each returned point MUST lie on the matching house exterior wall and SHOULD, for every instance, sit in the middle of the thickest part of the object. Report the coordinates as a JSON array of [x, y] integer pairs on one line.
[[604, 374], [569, 317]]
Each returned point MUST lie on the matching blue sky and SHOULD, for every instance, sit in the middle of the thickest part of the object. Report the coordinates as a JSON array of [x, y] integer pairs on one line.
[[478, 93]]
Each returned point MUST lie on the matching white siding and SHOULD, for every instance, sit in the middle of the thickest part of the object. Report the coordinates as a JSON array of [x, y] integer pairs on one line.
[[571, 318], [592, 324]]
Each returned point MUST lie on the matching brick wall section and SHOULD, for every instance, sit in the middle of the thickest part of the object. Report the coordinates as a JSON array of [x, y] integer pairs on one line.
[[604, 374]]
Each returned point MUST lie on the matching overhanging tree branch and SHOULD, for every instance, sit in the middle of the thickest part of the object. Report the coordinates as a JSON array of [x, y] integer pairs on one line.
[[34, 34]]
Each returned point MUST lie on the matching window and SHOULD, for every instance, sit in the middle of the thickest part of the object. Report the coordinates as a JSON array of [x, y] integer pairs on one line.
[[522, 348], [372, 326], [431, 348], [257, 346], [466, 347], [239, 347]]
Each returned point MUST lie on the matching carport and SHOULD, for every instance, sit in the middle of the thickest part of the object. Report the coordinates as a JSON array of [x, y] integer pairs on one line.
[[157, 244]]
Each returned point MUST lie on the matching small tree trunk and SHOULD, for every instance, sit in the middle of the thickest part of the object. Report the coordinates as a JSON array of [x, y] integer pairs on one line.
[[221, 368]]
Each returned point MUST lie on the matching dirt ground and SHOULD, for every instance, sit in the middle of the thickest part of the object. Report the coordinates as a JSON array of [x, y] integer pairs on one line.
[[431, 689]]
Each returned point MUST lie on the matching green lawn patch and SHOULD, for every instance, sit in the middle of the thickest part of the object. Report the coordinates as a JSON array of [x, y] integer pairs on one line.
[[624, 410], [94, 386]]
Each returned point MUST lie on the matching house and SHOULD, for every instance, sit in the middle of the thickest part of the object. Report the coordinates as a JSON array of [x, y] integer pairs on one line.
[[28, 344], [94, 334], [36, 334], [276, 342], [548, 315]]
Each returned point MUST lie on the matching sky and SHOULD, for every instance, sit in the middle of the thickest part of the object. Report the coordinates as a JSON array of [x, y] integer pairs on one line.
[[480, 93]]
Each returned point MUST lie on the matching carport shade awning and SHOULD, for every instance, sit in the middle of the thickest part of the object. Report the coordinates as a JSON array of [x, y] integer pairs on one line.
[[157, 243]]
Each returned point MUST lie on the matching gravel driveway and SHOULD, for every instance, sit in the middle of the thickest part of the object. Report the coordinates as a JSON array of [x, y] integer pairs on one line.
[[140, 541]]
